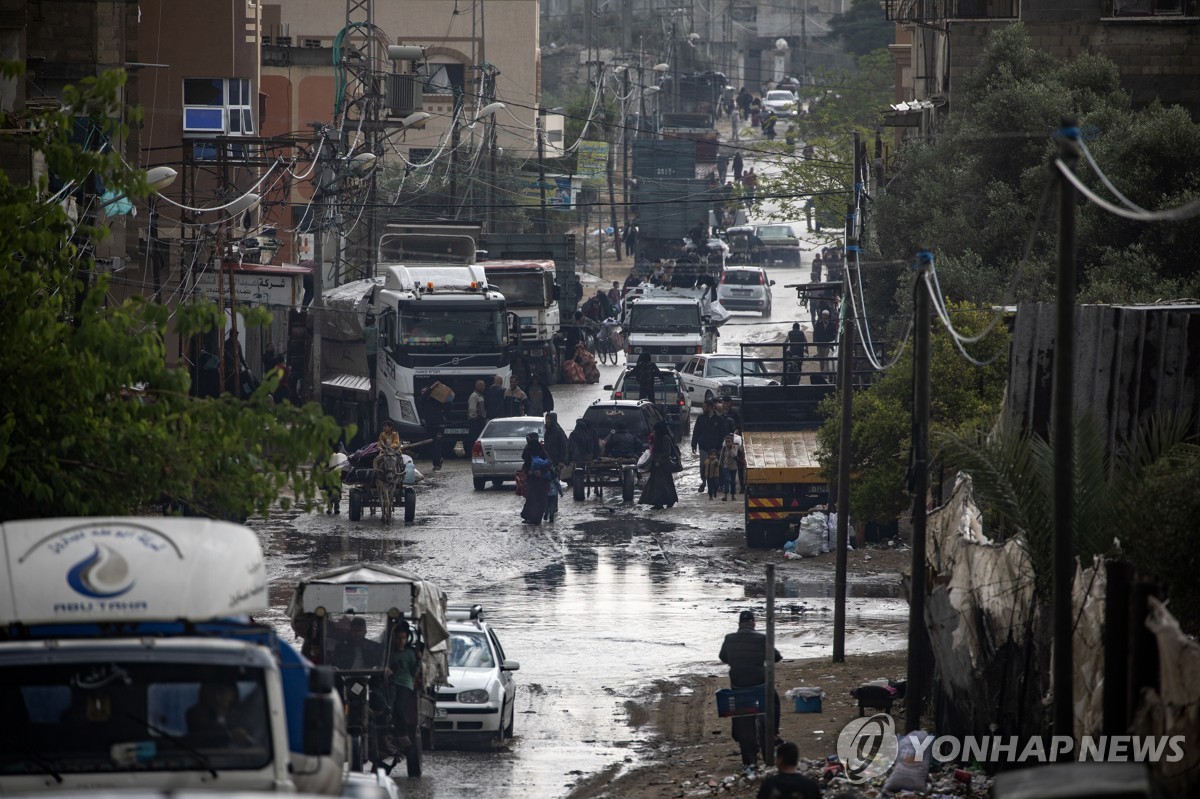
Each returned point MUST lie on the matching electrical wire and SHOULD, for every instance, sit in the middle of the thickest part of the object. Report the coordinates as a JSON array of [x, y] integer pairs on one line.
[[1185, 211]]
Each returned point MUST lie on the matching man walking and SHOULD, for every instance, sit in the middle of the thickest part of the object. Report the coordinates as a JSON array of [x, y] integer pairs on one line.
[[745, 652], [493, 398], [708, 434], [824, 334]]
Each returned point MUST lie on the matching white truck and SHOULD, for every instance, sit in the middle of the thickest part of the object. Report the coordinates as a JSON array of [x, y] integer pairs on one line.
[[128, 661], [530, 292], [670, 324], [438, 321]]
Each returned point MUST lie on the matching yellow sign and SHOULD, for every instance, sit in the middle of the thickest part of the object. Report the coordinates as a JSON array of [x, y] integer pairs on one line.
[[591, 160]]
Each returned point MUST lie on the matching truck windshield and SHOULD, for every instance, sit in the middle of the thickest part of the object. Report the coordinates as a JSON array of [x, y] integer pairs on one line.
[[449, 328], [662, 318], [523, 290], [108, 715]]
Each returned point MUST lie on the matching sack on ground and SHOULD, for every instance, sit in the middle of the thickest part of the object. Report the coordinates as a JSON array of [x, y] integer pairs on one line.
[[810, 535], [910, 772], [591, 372], [573, 372]]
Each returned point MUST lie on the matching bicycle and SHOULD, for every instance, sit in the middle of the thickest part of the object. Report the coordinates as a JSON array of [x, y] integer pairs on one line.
[[610, 341]]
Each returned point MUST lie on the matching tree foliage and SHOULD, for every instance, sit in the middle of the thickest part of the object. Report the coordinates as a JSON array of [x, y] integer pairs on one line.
[[974, 191], [845, 102], [94, 420], [881, 430]]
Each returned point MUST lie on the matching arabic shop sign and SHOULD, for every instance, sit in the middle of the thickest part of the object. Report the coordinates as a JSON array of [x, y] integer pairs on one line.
[[257, 287]]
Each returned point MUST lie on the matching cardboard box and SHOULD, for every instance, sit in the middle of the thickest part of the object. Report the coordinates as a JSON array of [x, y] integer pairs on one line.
[[442, 393]]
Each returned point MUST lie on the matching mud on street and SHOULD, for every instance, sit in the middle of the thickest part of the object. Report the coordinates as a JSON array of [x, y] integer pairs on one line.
[[615, 612]]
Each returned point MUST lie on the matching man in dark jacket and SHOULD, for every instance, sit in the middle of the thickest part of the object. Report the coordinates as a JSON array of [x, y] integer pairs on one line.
[[555, 442], [745, 652], [434, 414], [708, 433], [623, 444], [493, 398]]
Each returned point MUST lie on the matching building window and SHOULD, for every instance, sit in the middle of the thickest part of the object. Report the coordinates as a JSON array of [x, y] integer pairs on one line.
[[217, 105], [312, 42], [441, 78], [1149, 8]]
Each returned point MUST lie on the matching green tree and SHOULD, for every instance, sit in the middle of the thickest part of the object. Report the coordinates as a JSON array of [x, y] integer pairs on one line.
[[973, 192], [94, 421], [846, 102], [881, 428], [862, 29]]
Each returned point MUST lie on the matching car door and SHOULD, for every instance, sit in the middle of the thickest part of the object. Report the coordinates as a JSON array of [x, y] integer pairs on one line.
[[688, 375], [506, 681]]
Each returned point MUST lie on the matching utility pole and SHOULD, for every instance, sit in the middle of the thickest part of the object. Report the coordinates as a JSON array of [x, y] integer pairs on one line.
[[541, 151], [1064, 440], [917, 676], [625, 145], [769, 663]]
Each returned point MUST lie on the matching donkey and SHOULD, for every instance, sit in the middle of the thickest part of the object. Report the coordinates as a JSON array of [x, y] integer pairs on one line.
[[388, 471]]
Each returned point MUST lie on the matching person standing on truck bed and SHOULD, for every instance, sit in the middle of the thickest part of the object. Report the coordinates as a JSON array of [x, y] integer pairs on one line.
[[647, 373]]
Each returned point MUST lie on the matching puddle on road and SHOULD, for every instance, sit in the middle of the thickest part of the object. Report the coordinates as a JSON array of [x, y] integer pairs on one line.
[[594, 613], [804, 589]]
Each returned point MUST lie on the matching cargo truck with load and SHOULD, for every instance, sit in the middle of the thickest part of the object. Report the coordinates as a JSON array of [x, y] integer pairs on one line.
[[437, 319], [780, 423], [129, 661], [531, 293]]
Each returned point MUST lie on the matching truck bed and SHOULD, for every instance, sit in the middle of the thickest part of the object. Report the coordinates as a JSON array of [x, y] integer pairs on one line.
[[782, 456]]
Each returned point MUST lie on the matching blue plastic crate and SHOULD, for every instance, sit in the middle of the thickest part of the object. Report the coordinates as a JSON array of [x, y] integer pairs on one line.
[[808, 704], [742, 701]]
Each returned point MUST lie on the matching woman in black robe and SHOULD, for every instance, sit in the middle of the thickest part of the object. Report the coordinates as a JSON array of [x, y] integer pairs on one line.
[[660, 485], [537, 486]]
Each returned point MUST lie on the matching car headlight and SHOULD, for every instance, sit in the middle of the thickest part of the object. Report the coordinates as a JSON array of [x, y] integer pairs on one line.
[[476, 697]]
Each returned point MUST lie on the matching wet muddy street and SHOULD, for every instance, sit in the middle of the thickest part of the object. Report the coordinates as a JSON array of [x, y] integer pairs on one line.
[[595, 607]]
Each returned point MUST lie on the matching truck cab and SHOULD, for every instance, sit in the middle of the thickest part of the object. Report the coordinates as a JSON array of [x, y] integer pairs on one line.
[[671, 325], [128, 660], [530, 292]]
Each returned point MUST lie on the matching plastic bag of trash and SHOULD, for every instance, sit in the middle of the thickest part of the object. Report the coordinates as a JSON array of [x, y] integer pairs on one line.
[[804, 692], [910, 772], [808, 538]]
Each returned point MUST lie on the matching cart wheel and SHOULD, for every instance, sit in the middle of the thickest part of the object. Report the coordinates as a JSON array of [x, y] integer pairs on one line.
[[628, 482], [427, 739], [356, 753], [356, 505], [410, 505], [578, 486], [413, 756]]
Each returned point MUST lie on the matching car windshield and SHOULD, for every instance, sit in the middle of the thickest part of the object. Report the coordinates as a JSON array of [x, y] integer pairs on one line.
[[604, 419], [663, 318], [115, 716], [742, 277], [774, 232], [728, 367], [522, 289], [355, 641], [469, 650], [449, 329], [513, 428], [667, 383]]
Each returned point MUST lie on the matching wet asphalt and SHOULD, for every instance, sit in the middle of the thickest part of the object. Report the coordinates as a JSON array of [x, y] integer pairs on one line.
[[595, 607]]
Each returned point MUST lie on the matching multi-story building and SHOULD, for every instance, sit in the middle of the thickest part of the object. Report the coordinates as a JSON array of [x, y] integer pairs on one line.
[[1154, 43]]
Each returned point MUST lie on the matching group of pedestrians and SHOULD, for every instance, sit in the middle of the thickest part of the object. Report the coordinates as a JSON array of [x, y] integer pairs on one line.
[[717, 439], [542, 464]]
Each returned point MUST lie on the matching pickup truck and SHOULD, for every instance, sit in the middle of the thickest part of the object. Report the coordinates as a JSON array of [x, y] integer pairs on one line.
[[129, 661], [719, 375]]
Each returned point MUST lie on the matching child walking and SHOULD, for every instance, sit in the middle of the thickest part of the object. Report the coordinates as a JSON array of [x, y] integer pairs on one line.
[[712, 472], [728, 460]]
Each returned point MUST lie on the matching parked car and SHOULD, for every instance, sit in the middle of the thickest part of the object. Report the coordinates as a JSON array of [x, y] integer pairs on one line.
[[639, 417], [782, 243], [496, 456], [745, 288], [481, 697], [782, 102], [669, 396], [714, 375]]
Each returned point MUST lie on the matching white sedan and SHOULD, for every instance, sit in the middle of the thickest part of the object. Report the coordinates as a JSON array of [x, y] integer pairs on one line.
[[481, 697], [709, 376]]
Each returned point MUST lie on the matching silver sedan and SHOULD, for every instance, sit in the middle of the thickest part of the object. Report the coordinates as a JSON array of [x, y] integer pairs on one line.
[[496, 456]]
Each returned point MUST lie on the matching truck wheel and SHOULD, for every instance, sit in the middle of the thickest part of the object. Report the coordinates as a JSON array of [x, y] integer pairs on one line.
[[356, 504], [578, 486], [628, 483], [480, 483], [410, 505], [413, 756], [756, 537]]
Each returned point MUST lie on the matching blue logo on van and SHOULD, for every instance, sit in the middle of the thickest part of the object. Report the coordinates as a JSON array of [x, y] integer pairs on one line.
[[104, 574]]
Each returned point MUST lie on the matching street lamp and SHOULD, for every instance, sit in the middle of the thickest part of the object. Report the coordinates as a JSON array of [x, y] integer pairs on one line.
[[415, 118], [157, 178]]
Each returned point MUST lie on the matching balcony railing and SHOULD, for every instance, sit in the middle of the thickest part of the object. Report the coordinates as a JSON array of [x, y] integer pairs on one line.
[[941, 10]]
